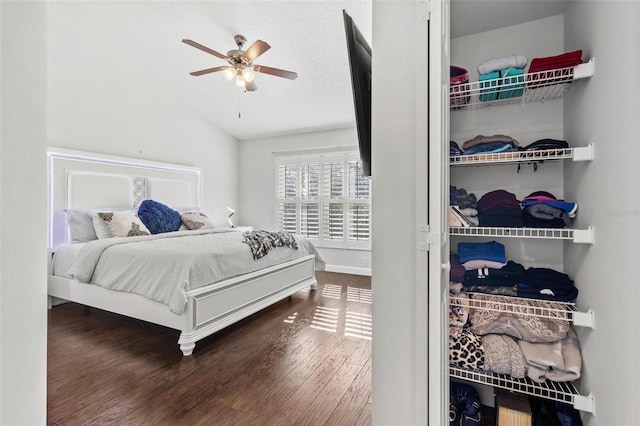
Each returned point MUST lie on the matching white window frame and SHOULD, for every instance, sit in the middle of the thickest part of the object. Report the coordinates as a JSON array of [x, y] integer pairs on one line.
[[321, 158]]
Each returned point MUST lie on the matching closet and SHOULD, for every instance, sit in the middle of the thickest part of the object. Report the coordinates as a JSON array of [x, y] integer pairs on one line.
[[597, 116], [526, 108]]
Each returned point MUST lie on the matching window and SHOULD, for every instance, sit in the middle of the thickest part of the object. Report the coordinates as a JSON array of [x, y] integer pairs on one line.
[[324, 197]]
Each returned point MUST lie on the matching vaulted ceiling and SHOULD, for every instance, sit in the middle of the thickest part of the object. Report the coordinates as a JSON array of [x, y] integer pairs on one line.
[[305, 36]]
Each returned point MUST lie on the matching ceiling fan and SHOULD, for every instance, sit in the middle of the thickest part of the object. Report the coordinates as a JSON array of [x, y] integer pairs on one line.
[[241, 66]]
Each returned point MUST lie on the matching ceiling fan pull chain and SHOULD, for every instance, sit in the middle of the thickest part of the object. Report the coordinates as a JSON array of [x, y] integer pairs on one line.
[[239, 97]]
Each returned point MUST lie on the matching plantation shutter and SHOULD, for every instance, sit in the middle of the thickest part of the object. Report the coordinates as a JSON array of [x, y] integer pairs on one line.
[[359, 212], [325, 198]]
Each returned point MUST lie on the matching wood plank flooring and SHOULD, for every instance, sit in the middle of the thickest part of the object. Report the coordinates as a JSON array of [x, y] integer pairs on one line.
[[304, 361]]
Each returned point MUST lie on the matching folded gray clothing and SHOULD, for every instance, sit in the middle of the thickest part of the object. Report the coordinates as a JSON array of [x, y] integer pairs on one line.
[[502, 355], [547, 212], [497, 64], [480, 139], [558, 361]]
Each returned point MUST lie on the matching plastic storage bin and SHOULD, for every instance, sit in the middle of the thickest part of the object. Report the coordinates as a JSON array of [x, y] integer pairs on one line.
[[458, 86]]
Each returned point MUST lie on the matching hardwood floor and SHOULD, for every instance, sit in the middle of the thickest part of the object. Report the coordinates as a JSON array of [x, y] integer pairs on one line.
[[303, 361]]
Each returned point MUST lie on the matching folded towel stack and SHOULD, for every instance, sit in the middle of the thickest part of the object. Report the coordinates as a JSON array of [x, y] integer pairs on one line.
[[502, 78], [553, 69]]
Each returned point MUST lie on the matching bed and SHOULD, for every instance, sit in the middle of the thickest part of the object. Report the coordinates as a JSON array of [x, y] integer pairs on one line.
[[200, 299]]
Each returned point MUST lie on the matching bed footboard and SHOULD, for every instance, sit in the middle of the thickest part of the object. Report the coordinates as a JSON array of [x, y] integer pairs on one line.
[[219, 305]]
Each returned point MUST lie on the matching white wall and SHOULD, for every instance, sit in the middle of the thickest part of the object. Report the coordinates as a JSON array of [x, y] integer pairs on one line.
[[101, 102], [396, 396], [23, 287], [606, 111], [257, 186]]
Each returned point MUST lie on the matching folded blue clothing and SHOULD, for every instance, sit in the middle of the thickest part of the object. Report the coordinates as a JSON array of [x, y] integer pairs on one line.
[[454, 149], [492, 250], [490, 147]]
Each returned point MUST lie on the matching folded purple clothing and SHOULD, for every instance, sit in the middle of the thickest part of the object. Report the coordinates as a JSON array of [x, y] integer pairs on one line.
[[497, 198]]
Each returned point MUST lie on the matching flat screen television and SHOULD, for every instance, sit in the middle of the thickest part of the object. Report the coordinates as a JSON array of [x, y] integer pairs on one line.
[[359, 53]]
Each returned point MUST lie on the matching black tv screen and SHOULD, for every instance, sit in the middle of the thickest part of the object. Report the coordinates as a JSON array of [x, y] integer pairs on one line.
[[359, 53]]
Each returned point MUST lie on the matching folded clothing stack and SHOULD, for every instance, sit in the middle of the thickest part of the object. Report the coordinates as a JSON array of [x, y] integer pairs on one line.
[[499, 208], [490, 144], [454, 149], [547, 284], [502, 78], [542, 209], [547, 143], [559, 361], [459, 197], [502, 355], [553, 69], [564, 60], [482, 255], [509, 275]]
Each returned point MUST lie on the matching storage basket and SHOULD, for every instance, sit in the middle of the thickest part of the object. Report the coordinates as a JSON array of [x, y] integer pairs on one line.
[[458, 86]]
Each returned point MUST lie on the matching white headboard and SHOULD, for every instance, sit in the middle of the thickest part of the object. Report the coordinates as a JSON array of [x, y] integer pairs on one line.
[[85, 180]]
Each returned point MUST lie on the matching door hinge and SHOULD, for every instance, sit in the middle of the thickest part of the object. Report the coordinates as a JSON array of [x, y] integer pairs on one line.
[[427, 238]]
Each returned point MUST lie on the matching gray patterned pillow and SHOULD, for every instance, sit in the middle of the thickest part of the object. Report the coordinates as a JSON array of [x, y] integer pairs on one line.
[[196, 220]]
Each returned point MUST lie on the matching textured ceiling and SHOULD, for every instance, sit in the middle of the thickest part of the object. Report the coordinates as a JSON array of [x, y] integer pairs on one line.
[[306, 36]]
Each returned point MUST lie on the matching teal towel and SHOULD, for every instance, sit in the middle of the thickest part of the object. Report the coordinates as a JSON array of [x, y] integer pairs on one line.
[[512, 83], [488, 86]]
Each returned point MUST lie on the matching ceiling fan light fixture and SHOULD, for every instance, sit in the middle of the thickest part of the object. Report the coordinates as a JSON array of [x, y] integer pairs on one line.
[[248, 75], [240, 81], [229, 73]]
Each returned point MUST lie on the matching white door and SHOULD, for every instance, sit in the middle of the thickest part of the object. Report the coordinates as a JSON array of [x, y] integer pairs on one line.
[[438, 184]]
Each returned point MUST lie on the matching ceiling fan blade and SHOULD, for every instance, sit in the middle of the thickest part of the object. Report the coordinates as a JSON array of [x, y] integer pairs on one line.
[[204, 49], [250, 86], [275, 71], [208, 71], [255, 50]]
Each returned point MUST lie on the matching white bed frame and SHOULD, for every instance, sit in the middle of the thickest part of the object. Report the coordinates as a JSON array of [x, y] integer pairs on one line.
[[82, 180]]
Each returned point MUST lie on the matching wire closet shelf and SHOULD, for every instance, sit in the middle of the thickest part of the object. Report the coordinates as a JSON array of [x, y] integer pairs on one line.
[[524, 88], [553, 310], [556, 391]]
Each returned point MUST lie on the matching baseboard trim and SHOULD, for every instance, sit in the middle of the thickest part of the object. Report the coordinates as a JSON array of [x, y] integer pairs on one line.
[[348, 270]]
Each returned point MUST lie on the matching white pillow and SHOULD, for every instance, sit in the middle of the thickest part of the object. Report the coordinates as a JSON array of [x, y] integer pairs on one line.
[[196, 220], [123, 224], [80, 226], [101, 228]]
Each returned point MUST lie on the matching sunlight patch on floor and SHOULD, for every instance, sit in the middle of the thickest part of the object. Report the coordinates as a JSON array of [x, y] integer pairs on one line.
[[355, 294], [358, 325], [291, 318], [325, 319], [332, 291]]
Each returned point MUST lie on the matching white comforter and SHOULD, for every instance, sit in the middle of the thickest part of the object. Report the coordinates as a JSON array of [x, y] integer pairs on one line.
[[163, 267]]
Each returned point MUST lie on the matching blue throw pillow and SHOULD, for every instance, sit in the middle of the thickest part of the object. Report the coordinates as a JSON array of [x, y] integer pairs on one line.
[[158, 218]]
